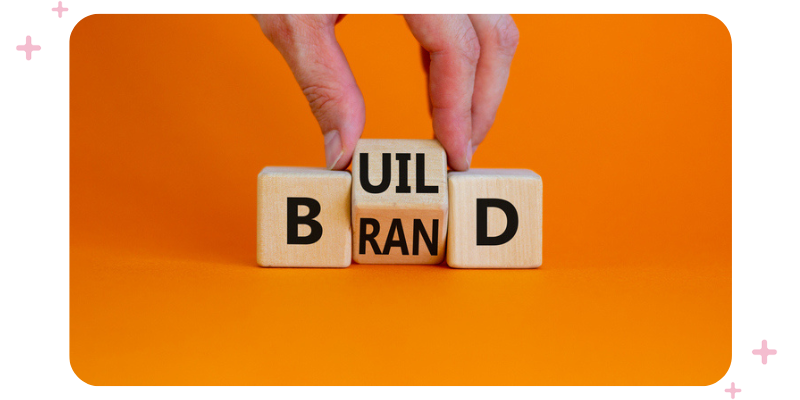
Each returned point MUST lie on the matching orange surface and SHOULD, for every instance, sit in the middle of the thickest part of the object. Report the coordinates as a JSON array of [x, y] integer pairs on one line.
[[627, 119]]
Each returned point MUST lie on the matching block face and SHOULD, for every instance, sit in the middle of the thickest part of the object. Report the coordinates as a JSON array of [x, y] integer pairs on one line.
[[303, 217], [411, 196], [483, 231]]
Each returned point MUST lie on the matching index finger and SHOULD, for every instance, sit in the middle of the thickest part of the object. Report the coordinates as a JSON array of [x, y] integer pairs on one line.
[[454, 51]]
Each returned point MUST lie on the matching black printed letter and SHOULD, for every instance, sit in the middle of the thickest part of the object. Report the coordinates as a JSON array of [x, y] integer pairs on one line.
[[419, 230], [293, 220], [402, 172], [365, 237], [396, 227], [421, 188], [511, 225], [386, 178]]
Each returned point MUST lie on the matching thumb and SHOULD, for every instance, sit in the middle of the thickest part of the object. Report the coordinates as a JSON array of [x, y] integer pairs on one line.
[[308, 44]]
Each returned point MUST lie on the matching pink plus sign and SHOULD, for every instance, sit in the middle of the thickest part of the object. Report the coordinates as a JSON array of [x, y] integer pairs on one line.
[[764, 352], [60, 9], [28, 47], [733, 390]]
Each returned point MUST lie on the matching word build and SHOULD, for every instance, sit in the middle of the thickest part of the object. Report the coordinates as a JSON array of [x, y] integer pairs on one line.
[[399, 201], [399, 206], [303, 217]]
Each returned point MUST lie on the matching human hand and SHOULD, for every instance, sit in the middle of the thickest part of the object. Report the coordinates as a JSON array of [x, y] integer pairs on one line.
[[467, 59]]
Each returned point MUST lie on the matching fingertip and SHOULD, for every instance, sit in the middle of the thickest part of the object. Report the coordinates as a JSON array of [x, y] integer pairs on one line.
[[351, 126], [458, 158], [458, 164], [342, 163], [469, 153], [338, 151], [339, 163], [333, 148]]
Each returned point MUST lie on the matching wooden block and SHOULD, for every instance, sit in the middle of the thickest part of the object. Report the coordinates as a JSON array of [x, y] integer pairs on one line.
[[399, 201], [495, 219], [303, 217]]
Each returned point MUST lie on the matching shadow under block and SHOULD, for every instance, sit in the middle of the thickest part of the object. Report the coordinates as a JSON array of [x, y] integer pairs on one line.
[[399, 201], [303, 217], [495, 219]]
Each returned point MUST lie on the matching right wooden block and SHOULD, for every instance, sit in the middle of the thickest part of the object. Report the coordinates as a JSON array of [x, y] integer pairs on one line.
[[495, 219]]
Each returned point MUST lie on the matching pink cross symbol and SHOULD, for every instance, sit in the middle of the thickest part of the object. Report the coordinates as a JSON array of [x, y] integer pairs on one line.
[[28, 47], [764, 352], [733, 390], [60, 9]]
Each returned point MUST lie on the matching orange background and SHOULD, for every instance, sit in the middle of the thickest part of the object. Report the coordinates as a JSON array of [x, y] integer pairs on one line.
[[627, 119]]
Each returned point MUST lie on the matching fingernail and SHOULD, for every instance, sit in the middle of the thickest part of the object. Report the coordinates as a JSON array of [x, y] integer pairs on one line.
[[469, 153], [333, 148]]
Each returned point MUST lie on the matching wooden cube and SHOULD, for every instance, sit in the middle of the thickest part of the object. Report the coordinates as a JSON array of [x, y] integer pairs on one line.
[[303, 217], [399, 201], [495, 219]]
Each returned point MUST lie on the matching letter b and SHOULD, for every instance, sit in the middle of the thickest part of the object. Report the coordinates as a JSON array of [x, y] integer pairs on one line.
[[293, 220]]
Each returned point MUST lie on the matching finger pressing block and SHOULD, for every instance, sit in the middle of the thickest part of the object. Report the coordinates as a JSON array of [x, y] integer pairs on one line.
[[303, 217], [399, 208], [495, 219]]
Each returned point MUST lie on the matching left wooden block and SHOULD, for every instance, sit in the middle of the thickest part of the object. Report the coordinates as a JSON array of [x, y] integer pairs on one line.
[[303, 218]]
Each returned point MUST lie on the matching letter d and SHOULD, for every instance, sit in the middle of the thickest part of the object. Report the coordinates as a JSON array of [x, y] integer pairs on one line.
[[482, 221]]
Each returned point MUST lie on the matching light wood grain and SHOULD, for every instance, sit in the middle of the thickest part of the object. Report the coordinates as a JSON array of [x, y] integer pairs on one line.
[[521, 188], [331, 189], [386, 206]]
